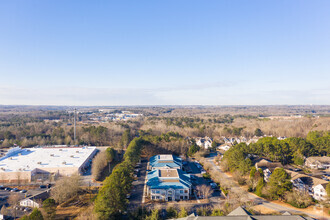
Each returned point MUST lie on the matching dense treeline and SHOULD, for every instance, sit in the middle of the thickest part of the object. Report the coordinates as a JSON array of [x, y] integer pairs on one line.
[[111, 200], [32, 134], [170, 142]]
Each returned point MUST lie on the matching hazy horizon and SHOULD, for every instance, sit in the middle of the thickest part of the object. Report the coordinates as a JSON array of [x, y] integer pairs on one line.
[[163, 53]]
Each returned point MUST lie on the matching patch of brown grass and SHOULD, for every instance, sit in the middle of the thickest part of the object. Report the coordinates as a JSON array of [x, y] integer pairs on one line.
[[73, 207]]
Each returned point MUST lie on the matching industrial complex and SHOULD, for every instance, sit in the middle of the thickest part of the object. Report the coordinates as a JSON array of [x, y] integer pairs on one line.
[[44, 163]]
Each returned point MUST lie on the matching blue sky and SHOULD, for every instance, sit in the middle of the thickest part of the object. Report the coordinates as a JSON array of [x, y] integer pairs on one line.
[[187, 52]]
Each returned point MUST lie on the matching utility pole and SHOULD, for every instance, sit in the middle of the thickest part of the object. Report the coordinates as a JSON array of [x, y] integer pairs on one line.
[[74, 132]]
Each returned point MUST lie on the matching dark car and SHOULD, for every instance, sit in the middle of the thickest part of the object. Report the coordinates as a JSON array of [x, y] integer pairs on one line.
[[42, 186], [8, 188], [49, 185]]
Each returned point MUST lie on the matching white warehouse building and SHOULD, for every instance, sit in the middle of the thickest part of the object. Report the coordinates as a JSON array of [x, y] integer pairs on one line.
[[33, 164]]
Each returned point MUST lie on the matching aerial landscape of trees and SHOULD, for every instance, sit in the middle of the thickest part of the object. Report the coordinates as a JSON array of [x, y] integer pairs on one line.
[[175, 132]]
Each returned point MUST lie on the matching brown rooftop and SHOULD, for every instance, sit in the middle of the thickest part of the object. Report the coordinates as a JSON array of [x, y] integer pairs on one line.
[[171, 180], [313, 181], [168, 173], [323, 159], [268, 164]]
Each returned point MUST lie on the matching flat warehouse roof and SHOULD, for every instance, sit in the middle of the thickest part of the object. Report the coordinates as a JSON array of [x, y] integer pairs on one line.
[[50, 157]]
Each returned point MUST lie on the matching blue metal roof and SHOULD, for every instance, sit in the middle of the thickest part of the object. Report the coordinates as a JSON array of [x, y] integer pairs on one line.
[[155, 181], [156, 162]]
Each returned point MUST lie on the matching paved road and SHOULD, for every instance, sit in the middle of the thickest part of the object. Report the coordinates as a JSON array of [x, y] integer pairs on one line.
[[256, 199]]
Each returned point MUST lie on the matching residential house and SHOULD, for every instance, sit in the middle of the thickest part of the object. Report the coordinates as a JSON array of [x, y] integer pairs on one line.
[[165, 161], [29, 203], [205, 142], [318, 162], [168, 185], [36, 200], [267, 167], [312, 185], [319, 192], [224, 147]]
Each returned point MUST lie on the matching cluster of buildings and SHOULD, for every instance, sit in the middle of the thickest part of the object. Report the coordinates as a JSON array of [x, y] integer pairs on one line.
[[233, 140], [104, 115], [206, 142], [314, 186], [44, 163], [166, 180]]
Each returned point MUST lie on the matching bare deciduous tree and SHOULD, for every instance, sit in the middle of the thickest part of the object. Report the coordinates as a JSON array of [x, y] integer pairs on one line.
[[13, 201], [66, 188], [204, 191], [99, 163]]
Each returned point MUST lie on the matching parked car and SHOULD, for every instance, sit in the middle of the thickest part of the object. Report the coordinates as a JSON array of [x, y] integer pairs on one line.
[[2, 187], [213, 185], [23, 191], [203, 171], [42, 186], [8, 188], [14, 190]]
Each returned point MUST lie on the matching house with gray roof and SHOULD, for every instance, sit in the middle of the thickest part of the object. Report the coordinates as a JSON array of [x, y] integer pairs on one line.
[[168, 185]]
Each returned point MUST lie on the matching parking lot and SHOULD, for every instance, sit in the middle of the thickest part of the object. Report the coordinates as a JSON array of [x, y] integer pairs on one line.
[[135, 198], [196, 171], [20, 194]]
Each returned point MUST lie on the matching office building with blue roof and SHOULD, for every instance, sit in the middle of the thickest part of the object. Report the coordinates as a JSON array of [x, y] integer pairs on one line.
[[165, 161], [168, 183]]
